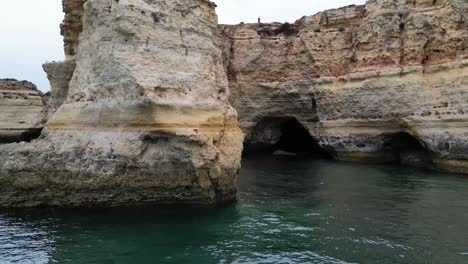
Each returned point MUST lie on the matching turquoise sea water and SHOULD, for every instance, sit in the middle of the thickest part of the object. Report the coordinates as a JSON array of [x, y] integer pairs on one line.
[[291, 210]]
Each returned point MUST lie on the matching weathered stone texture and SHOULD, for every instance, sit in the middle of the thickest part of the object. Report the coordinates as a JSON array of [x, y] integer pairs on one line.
[[59, 75], [23, 111], [72, 25], [146, 118], [357, 75]]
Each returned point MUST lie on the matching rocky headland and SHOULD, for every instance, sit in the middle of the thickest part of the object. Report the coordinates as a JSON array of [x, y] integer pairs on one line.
[[382, 82], [143, 99]]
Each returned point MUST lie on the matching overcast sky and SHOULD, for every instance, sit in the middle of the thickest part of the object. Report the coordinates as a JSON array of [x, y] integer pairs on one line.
[[30, 35]]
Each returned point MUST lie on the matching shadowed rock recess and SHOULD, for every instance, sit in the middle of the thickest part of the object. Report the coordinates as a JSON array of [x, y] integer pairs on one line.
[[382, 82], [144, 116]]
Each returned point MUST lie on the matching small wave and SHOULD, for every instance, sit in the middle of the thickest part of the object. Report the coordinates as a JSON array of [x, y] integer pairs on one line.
[[381, 241], [290, 257], [313, 214]]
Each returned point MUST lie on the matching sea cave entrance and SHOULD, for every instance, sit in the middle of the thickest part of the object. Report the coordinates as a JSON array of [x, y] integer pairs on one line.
[[404, 148], [283, 135]]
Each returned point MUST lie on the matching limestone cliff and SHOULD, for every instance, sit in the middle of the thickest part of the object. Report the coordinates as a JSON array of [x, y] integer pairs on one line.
[[60, 73], [23, 111], [145, 118], [387, 81]]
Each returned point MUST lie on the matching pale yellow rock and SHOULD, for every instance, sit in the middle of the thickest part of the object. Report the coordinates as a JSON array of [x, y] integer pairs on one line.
[[23, 111], [358, 76], [146, 117]]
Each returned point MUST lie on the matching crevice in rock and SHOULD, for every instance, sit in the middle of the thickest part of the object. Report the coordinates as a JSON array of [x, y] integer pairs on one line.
[[231, 72], [229, 56], [155, 17], [354, 46], [223, 131], [183, 42], [315, 116], [402, 30], [425, 55]]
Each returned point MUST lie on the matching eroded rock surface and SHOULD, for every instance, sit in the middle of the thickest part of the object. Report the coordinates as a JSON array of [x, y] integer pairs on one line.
[[23, 111], [145, 119], [59, 75], [358, 78]]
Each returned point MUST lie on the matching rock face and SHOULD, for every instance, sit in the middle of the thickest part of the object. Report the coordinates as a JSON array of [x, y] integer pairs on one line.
[[145, 118], [23, 111], [387, 81], [59, 75]]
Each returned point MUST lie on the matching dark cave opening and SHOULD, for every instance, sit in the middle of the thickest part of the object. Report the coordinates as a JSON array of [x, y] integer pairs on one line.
[[284, 135], [406, 149], [26, 136], [295, 138]]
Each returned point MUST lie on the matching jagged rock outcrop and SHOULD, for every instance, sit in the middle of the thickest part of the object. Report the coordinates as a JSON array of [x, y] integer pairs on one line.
[[72, 25], [60, 73], [23, 111], [387, 81], [145, 119]]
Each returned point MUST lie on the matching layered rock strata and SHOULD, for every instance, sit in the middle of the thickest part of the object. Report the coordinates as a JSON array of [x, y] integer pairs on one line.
[[145, 118], [387, 81], [23, 111]]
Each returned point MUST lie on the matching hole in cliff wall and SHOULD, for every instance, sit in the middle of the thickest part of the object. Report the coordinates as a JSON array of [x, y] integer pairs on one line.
[[285, 136], [405, 149]]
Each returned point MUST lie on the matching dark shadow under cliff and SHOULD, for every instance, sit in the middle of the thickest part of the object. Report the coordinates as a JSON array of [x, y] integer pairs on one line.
[[405, 149], [283, 135]]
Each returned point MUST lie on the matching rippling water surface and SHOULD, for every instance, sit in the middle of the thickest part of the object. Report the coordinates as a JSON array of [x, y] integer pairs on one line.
[[291, 210]]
